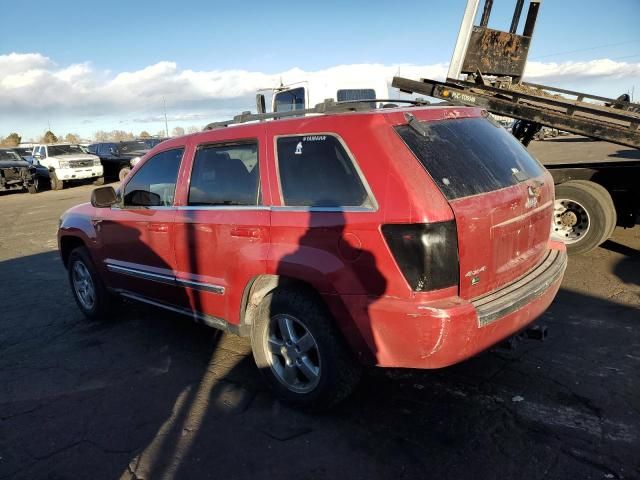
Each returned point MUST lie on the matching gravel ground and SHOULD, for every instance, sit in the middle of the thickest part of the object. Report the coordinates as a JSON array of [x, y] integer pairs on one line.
[[151, 395]]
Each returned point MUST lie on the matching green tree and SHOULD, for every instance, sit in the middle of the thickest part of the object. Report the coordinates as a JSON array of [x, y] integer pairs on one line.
[[49, 137], [11, 140]]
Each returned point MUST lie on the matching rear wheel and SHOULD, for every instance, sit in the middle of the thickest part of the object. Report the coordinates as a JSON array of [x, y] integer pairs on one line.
[[56, 183], [33, 188], [300, 352], [584, 215], [88, 290]]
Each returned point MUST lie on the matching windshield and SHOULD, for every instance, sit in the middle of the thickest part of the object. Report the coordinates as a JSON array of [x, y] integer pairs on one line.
[[289, 100], [9, 155], [55, 150], [125, 147]]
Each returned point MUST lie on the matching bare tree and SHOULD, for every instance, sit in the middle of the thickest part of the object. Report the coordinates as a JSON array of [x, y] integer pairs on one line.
[[193, 129], [72, 138], [11, 140], [144, 134], [177, 132]]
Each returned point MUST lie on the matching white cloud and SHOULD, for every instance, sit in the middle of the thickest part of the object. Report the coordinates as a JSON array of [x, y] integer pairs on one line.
[[32, 83]]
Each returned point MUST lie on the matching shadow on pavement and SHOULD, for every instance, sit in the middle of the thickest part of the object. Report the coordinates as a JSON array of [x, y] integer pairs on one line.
[[152, 395]]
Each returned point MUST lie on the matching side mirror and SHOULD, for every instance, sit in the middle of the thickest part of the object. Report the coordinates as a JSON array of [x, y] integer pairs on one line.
[[103, 197], [260, 103]]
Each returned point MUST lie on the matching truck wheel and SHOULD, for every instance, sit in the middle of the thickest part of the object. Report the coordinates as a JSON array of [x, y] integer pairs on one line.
[[88, 290], [32, 188], [583, 216], [56, 183], [122, 174], [300, 352], [99, 181], [606, 196]]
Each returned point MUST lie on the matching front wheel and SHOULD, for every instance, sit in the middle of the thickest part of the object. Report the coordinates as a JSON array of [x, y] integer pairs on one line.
[[300, 351], [584, 216], [88, 290], [56, 183]]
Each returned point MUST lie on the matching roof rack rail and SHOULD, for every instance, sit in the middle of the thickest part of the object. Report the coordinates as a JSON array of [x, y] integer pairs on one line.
[[328, 106]]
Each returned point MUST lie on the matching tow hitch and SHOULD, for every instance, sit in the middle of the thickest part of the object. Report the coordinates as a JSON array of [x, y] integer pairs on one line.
[[536, 332]]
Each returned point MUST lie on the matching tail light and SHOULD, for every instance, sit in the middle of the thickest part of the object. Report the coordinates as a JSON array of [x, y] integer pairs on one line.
[[427, 254]]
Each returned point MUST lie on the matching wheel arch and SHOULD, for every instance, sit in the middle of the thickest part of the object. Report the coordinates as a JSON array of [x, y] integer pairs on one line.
[[68, 243]]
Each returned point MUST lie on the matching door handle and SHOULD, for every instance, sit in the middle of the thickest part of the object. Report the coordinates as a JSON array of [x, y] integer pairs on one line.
[[158, 227], [249, 232]]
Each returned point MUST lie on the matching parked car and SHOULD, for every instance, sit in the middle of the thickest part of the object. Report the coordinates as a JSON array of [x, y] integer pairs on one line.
[[68, 163], [412, 237], [118, 157], [40, 173], [15, 172]]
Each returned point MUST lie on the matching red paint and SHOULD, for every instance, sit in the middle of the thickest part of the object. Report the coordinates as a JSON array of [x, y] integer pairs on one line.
[[343, 255]]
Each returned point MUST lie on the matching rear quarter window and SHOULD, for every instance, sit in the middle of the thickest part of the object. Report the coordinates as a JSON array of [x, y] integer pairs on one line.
[[316, 170], [469, 156]]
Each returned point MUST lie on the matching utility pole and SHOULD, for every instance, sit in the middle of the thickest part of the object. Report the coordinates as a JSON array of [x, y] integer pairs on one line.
[[166, 125]]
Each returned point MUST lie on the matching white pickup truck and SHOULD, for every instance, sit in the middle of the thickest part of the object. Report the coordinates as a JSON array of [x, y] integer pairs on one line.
[[68, 162]]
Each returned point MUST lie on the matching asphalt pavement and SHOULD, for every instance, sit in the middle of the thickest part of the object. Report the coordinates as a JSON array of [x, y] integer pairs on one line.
[[151, 395]]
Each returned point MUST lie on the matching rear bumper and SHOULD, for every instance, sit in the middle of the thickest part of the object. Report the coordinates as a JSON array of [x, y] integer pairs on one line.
[[404, 333]]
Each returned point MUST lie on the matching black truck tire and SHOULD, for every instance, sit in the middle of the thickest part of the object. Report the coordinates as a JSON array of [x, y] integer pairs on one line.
[[89, 292], [56, 183], [584, 217], [32, 188], [313, 369]]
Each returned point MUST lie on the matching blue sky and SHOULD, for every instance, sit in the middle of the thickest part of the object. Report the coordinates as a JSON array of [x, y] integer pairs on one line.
[[88, 45]]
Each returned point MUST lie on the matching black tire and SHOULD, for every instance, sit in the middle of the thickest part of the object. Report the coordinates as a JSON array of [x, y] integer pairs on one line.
[[101, 306], [56, 183], [612, 217], [99, 181], [598, 208], [32, 188], [339, 373], [122, 174]]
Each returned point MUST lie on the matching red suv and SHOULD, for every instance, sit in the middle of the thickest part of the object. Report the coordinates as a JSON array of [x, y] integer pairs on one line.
[[408, 237]]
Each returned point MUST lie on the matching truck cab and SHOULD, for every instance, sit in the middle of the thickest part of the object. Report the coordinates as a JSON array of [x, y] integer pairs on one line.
[[68, 163], [307, 94]]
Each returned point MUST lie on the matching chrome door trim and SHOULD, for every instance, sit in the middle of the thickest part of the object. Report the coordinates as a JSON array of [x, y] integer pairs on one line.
[[163, 278]]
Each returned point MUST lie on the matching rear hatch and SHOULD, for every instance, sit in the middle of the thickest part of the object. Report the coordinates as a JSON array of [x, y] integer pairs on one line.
[[502, 198]]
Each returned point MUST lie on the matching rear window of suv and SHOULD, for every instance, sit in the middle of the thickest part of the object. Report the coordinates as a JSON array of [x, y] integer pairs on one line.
[[469, 156]]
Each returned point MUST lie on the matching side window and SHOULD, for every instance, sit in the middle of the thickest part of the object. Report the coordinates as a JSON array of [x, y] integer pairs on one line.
[[92, 149], [225, 175], [104, 148], [154, 184], [315, 170], [43, 152]]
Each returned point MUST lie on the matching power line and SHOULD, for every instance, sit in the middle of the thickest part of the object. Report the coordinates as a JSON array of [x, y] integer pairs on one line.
[[585, 49]]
